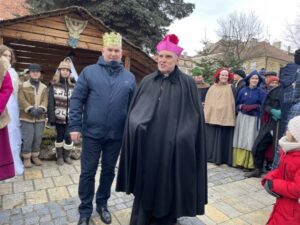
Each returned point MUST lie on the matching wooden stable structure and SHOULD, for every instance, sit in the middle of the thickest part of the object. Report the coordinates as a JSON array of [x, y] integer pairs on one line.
[[43, 38]]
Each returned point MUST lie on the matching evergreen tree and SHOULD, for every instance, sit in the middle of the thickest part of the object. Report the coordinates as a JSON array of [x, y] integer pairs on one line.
[[207, 64], [143, 22]]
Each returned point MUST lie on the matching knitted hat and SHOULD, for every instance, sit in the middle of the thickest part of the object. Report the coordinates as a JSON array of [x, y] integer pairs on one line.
[[169, 43], [270, 73], [294, 127], [241, 73], [270, 79], [297, 56], [197, 71]]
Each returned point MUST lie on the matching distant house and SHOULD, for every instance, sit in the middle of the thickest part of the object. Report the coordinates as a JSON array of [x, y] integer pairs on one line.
[[186, 64], [259, 54], [10, 9]]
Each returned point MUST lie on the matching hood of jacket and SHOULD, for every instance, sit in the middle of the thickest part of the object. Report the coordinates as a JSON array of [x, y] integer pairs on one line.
[[288, 74], [112, 67]]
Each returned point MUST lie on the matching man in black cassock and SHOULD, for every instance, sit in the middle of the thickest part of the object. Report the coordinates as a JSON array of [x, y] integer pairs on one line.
[[163, 158]]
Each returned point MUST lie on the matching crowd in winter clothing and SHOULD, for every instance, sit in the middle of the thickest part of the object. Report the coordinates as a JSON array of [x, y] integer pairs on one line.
[[24, 112], [264, 130]]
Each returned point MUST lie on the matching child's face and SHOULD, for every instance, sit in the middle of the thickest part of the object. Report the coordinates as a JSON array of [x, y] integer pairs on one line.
[[289, 136]]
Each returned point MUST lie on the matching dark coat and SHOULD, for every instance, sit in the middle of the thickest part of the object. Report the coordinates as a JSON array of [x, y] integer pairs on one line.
[[286, 183], [287, 76], [163, 158], [268, 124], [102, 95], [238, 86]]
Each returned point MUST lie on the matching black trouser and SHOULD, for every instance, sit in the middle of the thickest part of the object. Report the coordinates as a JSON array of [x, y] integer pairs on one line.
[[91, 151], [259, 155], [62, 134]]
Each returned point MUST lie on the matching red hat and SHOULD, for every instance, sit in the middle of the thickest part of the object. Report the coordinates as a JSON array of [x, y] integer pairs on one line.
[[217, 74], [270, 79]]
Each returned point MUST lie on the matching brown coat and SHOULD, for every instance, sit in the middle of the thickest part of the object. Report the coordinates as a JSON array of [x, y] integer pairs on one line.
[[219, 107], [29, 98]]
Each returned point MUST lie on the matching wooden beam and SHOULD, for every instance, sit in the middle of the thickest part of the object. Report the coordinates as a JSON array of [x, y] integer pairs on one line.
[[127, 62], [44, 38]]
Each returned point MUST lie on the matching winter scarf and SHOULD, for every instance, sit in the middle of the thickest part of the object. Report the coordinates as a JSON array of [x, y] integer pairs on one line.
[[288, 146]]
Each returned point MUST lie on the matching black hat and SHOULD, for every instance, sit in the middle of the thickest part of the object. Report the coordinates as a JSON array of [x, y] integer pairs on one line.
[[297, 56], [35, 67], [270, 73], [241, 73]]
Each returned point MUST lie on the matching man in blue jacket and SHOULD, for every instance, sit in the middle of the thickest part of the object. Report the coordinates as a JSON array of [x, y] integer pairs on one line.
[[98, 110]]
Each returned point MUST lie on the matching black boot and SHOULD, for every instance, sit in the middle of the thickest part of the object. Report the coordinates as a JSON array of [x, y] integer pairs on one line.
[[253, 173], [60, 156], [67, 153], [84, 221], [104, 214], [268, 166], [59, 153]]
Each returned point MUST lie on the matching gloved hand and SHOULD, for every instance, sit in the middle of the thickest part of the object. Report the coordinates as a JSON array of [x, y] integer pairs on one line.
[[276, 114], [34, 112], [268, 187], [40, 111]]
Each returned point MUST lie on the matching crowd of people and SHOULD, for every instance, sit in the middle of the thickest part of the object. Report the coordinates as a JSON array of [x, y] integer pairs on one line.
[[245, 113], [165, 130]]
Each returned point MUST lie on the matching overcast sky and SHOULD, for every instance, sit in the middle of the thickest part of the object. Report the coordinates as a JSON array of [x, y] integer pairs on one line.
[[273, 13]]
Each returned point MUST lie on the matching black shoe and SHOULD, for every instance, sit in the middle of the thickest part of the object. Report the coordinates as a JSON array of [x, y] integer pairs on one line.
[[104, 214], [268, 166], [253, 173], [84, 221]]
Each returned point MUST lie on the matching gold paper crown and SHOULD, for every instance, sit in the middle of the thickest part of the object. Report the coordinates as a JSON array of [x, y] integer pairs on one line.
[[112, 39]]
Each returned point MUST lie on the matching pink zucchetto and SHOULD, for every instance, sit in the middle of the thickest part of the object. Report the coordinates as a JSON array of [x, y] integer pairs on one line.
[[169, 43]]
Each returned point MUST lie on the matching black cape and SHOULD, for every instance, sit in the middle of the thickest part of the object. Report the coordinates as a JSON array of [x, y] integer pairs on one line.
[[272, 101], [163, 156]]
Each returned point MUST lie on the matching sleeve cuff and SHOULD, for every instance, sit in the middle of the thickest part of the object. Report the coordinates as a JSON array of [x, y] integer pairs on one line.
[[28, 108], [43, 107]]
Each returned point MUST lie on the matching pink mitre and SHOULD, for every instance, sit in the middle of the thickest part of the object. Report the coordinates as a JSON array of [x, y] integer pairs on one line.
[[170, 43]]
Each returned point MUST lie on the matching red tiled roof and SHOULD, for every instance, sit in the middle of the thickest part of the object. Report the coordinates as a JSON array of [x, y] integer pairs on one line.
[[10, 9]]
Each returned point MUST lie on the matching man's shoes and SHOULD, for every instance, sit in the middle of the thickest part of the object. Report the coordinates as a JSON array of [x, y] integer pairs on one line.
[[104, 214], [84, 221], [253, 173]]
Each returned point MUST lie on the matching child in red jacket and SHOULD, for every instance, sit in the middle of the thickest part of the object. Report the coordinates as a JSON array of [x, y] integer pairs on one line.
[[284, 182]]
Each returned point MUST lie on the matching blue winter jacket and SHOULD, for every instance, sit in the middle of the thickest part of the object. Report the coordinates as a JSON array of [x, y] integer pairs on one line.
[[287, 75], [100, 100]]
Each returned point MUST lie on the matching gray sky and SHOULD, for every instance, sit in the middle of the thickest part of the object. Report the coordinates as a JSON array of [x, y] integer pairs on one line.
[[273, 13]]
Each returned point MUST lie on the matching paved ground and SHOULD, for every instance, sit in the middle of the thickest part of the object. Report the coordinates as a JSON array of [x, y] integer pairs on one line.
[[48, 195]]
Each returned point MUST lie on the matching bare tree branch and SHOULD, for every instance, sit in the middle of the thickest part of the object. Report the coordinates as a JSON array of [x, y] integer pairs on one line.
[[293, 33], [237, 31]]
